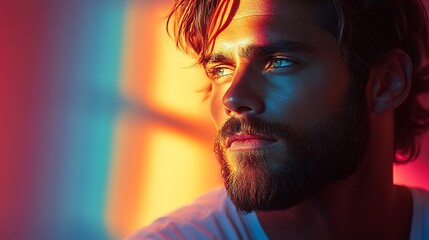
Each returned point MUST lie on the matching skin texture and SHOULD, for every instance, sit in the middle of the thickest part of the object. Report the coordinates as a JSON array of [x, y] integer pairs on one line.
[[281, 92], [285, 147], [302, 85]]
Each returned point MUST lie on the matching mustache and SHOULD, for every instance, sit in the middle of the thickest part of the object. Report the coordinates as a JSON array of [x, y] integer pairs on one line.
[[252, 126]]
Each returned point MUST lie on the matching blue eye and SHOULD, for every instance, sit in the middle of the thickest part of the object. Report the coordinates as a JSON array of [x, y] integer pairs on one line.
[[276, 63], [218, 73]]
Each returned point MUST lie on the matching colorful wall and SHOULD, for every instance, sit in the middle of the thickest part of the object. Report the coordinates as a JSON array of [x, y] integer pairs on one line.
[[102, 127]]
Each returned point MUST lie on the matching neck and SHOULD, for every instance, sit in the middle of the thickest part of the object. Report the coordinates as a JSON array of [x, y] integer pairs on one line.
[[364, 206]]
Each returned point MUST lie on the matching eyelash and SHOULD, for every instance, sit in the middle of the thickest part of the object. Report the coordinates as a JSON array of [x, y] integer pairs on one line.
[[270, 62], [213, 72]]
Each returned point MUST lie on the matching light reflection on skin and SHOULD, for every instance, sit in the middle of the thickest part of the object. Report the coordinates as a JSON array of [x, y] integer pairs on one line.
[[302, 96], [306, 93]]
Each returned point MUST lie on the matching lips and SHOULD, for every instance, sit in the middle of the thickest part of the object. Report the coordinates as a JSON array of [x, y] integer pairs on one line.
[[247, 141]]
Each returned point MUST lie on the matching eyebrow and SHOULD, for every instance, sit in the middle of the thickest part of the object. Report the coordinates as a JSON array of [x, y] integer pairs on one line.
[[254, 50]]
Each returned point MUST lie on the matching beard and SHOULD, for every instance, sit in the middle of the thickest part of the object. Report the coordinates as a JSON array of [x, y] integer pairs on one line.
[[277, 179]]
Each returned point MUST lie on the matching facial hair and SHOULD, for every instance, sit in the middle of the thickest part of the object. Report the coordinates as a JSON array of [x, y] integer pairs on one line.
[[312, 159]]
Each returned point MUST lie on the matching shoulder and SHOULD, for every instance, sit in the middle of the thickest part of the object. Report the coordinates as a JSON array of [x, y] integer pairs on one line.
[[211, 216], [420, 220]]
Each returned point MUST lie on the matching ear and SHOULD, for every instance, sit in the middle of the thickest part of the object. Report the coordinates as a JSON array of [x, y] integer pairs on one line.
[[389, 83]]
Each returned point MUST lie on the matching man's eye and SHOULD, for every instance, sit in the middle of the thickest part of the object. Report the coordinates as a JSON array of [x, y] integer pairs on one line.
[[276, 63], [219, 72]]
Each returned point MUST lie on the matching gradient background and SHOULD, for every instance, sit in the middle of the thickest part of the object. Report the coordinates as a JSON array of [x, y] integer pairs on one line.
[[102, 128]]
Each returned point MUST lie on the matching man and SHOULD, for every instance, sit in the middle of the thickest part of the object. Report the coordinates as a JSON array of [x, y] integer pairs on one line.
[[313, 101]]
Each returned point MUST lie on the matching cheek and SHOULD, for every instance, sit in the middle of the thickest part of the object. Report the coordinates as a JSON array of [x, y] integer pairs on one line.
[[216, 107], [308, 98]]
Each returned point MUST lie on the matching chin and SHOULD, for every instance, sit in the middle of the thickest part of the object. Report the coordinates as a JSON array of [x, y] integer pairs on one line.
[[279, 178], [296, 168], [255, 179]]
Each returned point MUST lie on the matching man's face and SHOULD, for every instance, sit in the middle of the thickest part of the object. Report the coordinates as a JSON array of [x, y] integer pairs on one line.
[[281, 102]]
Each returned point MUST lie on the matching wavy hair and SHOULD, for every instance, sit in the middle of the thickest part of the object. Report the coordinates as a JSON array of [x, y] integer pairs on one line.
[[367, 30]]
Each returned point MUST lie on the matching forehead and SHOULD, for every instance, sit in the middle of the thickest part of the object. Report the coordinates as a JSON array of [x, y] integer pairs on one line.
[[260, 22]]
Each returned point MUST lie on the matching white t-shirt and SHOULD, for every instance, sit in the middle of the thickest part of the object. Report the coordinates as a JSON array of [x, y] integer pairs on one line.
[[213, 216], [420, 222]]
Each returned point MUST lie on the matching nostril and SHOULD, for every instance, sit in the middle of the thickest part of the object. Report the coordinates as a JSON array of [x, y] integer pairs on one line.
[[241, 98], [244, 109], [240, 110], [249, 104]]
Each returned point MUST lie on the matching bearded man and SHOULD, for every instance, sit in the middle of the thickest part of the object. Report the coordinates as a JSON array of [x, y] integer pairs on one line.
[[314, 100]]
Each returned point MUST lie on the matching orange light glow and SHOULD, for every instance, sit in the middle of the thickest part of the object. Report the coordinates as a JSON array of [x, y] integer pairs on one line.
[[163, 154], [177, 163], [163, 145], [178, 81]]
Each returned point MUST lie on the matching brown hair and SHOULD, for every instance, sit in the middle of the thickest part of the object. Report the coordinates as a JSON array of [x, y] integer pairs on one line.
[[367, 30], [198, 22]]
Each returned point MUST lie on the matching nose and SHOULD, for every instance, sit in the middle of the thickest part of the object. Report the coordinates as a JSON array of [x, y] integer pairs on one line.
[[244, 95]]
